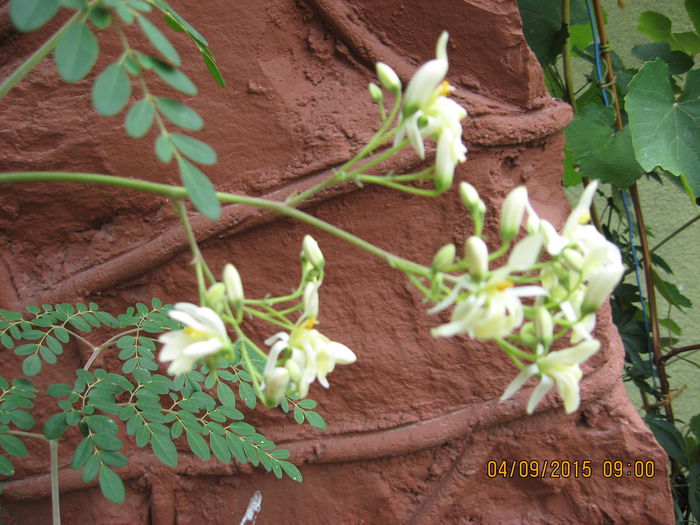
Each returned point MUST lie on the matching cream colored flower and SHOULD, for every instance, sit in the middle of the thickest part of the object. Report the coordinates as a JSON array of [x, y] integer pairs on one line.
[[428, 113], [204, 334], [560, 368]]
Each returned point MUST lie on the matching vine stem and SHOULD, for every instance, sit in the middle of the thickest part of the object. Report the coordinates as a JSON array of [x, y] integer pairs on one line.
[[675, 232], [29, 64], [639, 216], [179, 192], [675, 351]]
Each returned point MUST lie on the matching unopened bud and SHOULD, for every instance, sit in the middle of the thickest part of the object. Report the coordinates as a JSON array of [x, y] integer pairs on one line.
[[444, 258], [469, 196], [375, 92], [234, 286], [311, 301], [512, 213], [544, 326], [215, 294], [311, 253], [476, 254], [388, 78], [276, 382]]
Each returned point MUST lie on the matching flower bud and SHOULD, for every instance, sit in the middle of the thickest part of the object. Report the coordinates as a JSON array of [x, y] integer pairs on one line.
[[234, 286], [311, 301], [444, 258], [388, 78], [476, 254], [215, 294], [375, 92], [469, 196], [276, 382], [600, 287], [544, 327], [512, 213], [311, 253]]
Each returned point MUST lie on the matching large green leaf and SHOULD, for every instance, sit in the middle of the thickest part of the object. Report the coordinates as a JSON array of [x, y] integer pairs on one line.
[[200, 189], [76, 53], [678, 62], [692, 7], [668, 437], [543, 28], [658, 28], [28, 15], [111, 90], [597, 151], [665, 132]]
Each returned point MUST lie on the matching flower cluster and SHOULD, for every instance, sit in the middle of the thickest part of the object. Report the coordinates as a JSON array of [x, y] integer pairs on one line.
[[427, 112], [296, 359], [568, 275]]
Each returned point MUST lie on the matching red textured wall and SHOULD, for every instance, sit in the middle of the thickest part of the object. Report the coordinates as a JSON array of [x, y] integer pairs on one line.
[[413, 423]]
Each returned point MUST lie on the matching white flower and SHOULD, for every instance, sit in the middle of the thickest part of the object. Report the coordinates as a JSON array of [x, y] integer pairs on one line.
[[204, 334], [560, 368], [312, 355], [427, 112]]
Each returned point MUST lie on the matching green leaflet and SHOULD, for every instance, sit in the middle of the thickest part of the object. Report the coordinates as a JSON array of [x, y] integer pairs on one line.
[[111, 485], [664, 130], [179, 114], [201, 192], [28, 15], [111, 90], [76, 53], [196, 150], [159, 41], [139, 119]]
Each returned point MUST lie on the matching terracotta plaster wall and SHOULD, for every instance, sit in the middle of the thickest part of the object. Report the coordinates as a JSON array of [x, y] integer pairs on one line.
[[414, 422]]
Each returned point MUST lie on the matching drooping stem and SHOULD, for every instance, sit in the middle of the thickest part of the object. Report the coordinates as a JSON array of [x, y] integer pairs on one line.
[[37, 56], [675, 351]]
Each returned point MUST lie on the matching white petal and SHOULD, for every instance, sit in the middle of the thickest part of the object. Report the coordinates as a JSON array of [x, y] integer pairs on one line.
[[341, 353], [203, 348], [525, 253], [423, 84], [538, 393], [517, 383]]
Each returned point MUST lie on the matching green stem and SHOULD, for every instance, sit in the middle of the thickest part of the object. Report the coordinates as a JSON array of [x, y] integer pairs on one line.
[[27, 434], [55, 493], [37, 56], [179, 192], [342, 174], [194, 247]]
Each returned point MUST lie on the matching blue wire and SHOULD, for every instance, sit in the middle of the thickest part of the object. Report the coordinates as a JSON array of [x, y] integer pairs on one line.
[[596, 47], [625, 200]]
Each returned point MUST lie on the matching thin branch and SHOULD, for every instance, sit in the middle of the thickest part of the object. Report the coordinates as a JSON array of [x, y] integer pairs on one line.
[[675, 351]]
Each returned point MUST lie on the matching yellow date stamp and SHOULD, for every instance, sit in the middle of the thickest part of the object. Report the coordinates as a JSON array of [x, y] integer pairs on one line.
[[569, 468]]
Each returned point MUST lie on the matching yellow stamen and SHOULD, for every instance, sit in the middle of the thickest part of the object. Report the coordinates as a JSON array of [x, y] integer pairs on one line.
[[504, 285], [445, 88], [585, 217], [194, 333], [309, 323]]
